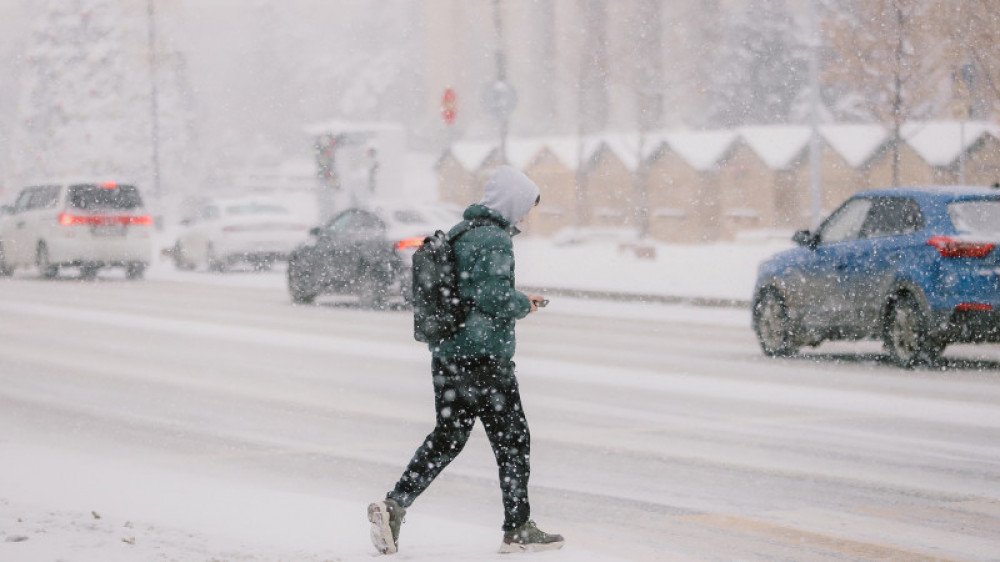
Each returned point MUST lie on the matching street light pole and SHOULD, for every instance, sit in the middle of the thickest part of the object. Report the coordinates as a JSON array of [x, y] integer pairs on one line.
[[501, 59], [154, 102], [965, 107], [814, 156]]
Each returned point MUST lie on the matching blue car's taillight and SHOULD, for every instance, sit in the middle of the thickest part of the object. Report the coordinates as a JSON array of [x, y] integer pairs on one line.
[[952, 248]]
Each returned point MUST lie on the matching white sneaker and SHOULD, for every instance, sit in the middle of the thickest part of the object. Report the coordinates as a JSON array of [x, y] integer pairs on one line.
[[386, 517]]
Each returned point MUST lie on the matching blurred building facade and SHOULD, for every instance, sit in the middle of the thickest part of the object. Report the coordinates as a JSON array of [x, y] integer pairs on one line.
[[576, 65], [705, 186], [584, 70]]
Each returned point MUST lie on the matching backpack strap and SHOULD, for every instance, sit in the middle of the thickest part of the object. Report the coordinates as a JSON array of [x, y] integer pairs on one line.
[[470, 225]]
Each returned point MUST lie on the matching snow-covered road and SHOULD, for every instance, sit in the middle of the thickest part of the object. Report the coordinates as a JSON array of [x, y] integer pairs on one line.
[[202, 417]]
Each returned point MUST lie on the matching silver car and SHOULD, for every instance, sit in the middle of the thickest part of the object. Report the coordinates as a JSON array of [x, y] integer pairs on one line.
[[224, 232]]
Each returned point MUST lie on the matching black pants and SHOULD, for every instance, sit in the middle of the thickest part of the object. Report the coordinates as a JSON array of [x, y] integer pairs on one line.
[[466, 389]]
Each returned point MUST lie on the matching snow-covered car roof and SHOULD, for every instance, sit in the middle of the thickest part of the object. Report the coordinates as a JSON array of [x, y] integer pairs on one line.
[[946, 191]]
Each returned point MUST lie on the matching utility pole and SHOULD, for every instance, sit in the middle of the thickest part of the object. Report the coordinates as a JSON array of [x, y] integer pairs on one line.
[[153, 101], [964, 84], [961, 150], [648, 69], [502, 98], [814, 156], [592, 101]]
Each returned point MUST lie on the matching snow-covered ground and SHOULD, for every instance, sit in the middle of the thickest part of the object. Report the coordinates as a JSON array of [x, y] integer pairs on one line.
[[705, 271], [49, 498], [605, 264], [64, 506], [84, 495]]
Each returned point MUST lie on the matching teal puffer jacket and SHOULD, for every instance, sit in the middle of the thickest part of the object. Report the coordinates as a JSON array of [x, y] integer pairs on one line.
[[485, 257]]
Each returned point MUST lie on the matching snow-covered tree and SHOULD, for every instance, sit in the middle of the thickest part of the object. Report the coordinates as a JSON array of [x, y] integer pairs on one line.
[[692, 38], [375, 78], [84, 92], [970, 33], [760, 67], [648, 84], [300, 70], [887, 52], [594, 76], [181, 160]]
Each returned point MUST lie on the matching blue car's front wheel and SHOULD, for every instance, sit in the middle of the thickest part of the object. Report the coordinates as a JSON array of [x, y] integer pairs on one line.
[[772, 324]]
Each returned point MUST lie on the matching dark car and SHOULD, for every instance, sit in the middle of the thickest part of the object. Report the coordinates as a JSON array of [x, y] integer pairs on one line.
[[365, 252], [917, 268]]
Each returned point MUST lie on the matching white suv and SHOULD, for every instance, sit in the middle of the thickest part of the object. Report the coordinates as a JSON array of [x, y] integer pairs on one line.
[[88, 225]]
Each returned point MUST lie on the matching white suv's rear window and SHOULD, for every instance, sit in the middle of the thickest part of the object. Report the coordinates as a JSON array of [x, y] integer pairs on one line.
[[101, 197], [976, 217]]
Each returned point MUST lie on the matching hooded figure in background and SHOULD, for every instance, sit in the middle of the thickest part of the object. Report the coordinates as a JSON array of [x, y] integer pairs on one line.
[[473, 371]]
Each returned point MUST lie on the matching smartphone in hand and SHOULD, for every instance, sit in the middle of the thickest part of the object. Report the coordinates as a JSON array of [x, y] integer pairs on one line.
[[541, 303]]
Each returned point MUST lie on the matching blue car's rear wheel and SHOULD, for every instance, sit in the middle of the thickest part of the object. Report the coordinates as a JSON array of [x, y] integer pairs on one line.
[[906, 336], [772, 324]]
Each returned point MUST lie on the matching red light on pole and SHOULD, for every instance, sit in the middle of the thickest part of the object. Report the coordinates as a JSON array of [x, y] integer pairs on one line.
[[449, 106]]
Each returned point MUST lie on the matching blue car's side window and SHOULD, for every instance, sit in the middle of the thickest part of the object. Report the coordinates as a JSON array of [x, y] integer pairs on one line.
[[846, 222]]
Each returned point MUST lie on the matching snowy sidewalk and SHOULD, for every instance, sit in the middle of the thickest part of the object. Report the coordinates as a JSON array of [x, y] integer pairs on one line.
[[720, 274], [71, 505], [715, 275]]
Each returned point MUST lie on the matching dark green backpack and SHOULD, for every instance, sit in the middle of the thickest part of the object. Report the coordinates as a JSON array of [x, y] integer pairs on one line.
[[439, 311]]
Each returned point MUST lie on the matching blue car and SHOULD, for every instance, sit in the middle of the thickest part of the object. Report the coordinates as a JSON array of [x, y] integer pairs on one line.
[[917, 268]]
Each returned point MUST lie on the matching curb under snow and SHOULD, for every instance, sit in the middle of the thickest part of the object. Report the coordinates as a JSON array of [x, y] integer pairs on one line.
[[715, 302]]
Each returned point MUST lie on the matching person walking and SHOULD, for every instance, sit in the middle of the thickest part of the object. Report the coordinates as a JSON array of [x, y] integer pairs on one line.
[[473, 372]]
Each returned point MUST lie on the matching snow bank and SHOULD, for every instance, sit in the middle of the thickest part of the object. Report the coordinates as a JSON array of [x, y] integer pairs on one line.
[[63, 505]]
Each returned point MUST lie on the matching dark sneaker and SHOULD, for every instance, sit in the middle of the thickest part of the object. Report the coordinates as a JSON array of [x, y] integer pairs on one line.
[[529, 538], [386, 517]]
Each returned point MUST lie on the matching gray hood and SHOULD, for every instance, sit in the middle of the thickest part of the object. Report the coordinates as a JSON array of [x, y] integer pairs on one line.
[[510, 193]]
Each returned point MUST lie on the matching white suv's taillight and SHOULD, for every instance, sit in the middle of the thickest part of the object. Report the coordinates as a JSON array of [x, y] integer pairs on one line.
[[68, 219]]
